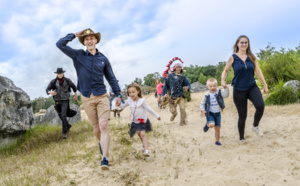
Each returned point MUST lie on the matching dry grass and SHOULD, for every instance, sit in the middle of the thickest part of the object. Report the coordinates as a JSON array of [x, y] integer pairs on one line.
[[41, 155], [180, 155]]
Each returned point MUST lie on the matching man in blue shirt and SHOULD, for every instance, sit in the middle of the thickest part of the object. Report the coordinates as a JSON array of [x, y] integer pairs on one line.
[[91, 65]]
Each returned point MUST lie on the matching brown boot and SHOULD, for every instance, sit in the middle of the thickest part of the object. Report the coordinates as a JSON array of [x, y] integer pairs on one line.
[[182, 123], [173, 117]]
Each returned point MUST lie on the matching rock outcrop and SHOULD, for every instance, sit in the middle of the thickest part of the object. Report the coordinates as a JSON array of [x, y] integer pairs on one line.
[[294, 84], [198, 87], [16, 115], [52, 117]]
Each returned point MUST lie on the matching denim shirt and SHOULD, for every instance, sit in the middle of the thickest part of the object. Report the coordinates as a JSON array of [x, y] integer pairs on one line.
[[175, 83], [90, 69]]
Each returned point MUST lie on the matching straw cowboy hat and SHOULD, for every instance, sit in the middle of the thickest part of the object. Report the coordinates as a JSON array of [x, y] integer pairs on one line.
[[89, 32]]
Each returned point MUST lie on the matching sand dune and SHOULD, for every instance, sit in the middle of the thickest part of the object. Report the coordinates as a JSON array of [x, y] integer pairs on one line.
[[185, 155]]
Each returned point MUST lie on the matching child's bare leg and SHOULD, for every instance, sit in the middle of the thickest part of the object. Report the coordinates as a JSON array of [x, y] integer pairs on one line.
[[139, 134], [158, 99], [210, 125], [217, 133], [144, 140]]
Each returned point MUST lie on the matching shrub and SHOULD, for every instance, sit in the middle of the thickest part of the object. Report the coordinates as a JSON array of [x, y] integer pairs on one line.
[[282, 95], [187, 95], [277, 65]]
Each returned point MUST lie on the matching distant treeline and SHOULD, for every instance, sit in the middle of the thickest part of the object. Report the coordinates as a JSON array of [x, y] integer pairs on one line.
[[278, 67], [45, 103], [193, 73]]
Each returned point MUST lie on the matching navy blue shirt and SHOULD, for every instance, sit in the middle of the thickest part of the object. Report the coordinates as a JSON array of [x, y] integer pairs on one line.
[[175, 84], [243, 73], [90, 69]]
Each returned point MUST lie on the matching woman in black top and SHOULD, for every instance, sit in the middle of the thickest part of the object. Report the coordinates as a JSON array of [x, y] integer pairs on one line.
[[245, 65]]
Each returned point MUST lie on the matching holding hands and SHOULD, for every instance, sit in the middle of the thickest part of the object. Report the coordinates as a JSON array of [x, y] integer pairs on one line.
[[118, 101], [224, 85]]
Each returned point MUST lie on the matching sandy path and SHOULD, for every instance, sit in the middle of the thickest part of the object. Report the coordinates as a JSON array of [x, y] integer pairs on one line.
[[185, 155]]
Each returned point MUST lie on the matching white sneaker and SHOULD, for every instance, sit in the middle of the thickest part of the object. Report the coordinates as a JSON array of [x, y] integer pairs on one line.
[[256, 129], [242, 141], [146, 153], [143, 150]]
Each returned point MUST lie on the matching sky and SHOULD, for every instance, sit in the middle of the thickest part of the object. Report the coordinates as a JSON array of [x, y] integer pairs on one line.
[[139, 37]]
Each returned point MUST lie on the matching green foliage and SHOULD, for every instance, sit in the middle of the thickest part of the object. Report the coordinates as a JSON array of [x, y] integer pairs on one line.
[[41, 103], [138, 81], [77, 102], [187, 95], [203, 73], [230, 76], [202, 79], [149, 80], [209, 70], [282, 95], [45, 103], [279, 65]]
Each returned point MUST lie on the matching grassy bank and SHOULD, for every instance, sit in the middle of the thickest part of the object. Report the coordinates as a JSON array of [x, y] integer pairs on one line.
[[41, 155], [38, 155]]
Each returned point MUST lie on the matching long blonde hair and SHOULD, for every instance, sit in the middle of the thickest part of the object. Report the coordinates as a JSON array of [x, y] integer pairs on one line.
[[248, 50]]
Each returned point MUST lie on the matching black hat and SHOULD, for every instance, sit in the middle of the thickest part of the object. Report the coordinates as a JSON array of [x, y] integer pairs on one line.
[[59, 71]]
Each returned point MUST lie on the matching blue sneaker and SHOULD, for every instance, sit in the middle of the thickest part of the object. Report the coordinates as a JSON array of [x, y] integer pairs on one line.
[[218, 143], [205, 128], [100, 149], [104, 164]]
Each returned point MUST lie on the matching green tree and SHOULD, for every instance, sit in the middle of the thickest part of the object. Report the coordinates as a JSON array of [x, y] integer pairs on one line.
[[209, 70], [39, 102], [220, 68], [48, 102], [149, 80], [202, 79], [77, 102], [138, 81], [279, 65]]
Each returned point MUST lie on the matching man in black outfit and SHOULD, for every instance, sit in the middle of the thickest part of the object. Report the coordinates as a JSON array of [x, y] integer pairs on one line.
[[60, 89]]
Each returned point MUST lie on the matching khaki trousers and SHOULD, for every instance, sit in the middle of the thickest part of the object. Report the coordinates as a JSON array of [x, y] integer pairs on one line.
[[173, 110]]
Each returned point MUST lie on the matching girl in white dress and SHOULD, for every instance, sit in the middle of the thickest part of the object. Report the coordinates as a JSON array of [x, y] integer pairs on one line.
[[140, 123]]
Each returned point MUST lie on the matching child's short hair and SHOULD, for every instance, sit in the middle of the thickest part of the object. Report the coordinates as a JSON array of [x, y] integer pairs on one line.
[[211, 80], [138, 88]]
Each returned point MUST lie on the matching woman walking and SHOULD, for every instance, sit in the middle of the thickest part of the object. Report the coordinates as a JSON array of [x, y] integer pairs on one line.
[[245, 65]]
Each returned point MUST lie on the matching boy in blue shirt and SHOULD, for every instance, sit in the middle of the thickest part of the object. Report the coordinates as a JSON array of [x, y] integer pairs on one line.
[[211, 105]]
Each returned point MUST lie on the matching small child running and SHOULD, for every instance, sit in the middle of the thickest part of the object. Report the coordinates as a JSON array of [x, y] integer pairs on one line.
[[140, 123], [210, 106]]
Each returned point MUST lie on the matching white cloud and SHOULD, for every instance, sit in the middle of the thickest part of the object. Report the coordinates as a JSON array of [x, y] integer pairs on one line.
[[138, 37]]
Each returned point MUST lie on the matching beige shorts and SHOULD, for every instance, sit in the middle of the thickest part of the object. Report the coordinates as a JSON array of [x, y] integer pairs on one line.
[[96, 107]]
